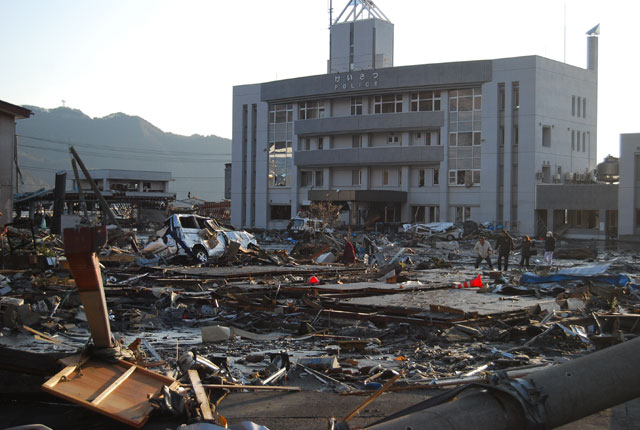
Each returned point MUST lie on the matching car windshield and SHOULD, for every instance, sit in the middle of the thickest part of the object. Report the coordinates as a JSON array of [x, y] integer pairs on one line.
[[298, 223]]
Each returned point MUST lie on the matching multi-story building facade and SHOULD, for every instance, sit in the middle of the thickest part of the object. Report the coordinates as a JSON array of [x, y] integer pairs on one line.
[[423, 143]]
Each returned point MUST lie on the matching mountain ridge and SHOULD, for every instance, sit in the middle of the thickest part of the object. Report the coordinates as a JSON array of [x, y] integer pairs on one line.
[[119, 141]]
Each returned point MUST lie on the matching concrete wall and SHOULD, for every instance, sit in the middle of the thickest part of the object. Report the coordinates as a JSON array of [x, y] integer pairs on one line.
[[7, 168], [376, 122], [407, 155], [373, 81], [247, 203], [546, 89], [577, 196]]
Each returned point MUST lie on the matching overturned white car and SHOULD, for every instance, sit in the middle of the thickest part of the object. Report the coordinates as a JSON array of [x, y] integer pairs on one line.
[[199, 237], [435, 230]]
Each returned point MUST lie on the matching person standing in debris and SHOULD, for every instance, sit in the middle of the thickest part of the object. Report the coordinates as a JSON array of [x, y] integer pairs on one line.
[[526, 251], [349, 253], [549, 247], [483, 249], [504, 245]]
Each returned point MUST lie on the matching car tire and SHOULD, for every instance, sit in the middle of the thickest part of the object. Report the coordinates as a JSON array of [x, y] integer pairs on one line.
[[200, 254]]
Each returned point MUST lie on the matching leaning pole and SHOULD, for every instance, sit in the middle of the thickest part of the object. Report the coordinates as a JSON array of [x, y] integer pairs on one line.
[[565, 393]]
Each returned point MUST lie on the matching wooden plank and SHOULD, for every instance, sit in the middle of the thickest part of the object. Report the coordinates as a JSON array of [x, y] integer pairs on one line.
[[42, 335], [64, 373], [128, 404], [113, 386], [201, 395], [252, 387]]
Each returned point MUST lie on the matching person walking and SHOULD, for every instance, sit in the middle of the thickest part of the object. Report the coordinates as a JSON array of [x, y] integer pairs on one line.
[[525, 252], [483, 249], [549, 247], [504, 245]]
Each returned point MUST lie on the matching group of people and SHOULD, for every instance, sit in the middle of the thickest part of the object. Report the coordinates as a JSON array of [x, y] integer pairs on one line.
[[505, 245]]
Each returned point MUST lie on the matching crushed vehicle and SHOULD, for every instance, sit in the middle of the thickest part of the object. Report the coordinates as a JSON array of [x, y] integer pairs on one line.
[[200, 237], [435, 230], [299, 226]]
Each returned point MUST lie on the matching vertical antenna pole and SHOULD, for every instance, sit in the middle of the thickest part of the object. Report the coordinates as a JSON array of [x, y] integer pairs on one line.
[[565, 33]]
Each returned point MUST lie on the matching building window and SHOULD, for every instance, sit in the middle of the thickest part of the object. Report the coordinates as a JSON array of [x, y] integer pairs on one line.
[[280, 212], [393, 139], [546, 136], [515, 135], [311, 110], [356, 105], [573, 140], [515, 90], [501, 97], [307, 144], [311, 178], [465, 136], [436, 176], [425, 213], [279, 144], [388, 104], [462, 213], [320, 143], [501, 135], [421, 177], [434, 213], [399, 176], [422, 138], [466, 177], [584, 140], [306, 179], [356, 141], [584, 107], [356, 177], [573, 105], [425, 101], [385, 177], [579, 105]]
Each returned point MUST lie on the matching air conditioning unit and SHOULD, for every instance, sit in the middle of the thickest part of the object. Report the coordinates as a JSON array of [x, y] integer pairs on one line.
[[557, 178], [569, 177], [539, 176]]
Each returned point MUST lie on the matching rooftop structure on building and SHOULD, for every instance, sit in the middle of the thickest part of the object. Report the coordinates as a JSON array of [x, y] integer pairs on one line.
[[129, 183], [468, 140]]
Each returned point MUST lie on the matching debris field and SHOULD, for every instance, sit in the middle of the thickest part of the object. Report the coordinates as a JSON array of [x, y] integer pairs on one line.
[[358, 315]]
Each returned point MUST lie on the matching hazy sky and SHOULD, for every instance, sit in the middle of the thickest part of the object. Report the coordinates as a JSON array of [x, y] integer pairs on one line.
[[174, 63]]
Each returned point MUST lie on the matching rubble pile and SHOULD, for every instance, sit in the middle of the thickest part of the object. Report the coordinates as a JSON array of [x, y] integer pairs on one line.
[[200, 312]]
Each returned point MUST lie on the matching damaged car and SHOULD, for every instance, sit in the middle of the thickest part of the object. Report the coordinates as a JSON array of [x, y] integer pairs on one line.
[[196, 236], [436, 230]]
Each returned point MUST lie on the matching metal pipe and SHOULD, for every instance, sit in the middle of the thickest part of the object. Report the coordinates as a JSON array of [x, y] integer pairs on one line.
[[572, 390], [105, 206]]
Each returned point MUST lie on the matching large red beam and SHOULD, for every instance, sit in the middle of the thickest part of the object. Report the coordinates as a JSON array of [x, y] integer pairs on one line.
[[80, 247]]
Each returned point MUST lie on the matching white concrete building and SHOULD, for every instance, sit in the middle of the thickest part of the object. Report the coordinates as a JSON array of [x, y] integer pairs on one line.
[[432, 142]]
